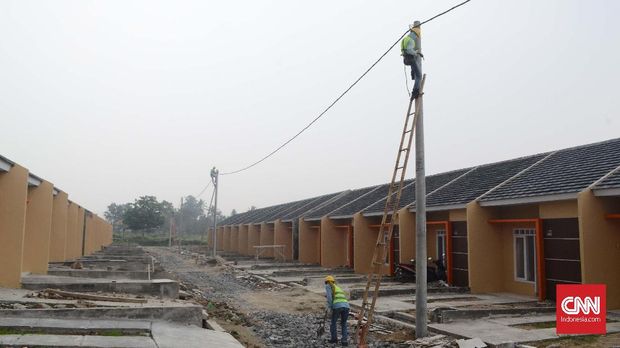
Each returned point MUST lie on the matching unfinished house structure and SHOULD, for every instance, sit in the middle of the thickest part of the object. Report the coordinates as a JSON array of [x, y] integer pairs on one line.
[[39, 224], [518, 226]]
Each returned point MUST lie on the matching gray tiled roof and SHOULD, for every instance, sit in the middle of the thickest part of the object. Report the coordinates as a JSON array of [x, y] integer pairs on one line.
[[365, 201], [287, 208], [438, 181], [565, 171], [337, 203], [612, 181], [261, 214], [407, 197], [238, 218], [478, 181], [314, 204]]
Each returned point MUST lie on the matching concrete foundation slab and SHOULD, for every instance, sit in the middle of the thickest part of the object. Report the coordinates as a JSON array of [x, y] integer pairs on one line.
[[188, 315], [166, 335], [156, 287], [75, 327], [76, 341], [88, 273]]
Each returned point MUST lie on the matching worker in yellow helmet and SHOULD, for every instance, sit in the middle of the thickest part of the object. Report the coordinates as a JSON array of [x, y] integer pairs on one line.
[[339, 305], [410, 50]]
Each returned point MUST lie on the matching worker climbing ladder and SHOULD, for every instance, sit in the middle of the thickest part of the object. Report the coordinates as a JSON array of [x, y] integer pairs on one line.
[[392, 204]]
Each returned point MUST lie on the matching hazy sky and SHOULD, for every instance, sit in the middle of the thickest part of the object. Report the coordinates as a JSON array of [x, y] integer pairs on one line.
[[111, 100]]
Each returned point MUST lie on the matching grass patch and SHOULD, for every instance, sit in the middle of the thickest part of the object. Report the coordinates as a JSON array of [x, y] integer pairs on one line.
[[9, 331], [536, 326], [20, 331], [569, 341], [112, 333]]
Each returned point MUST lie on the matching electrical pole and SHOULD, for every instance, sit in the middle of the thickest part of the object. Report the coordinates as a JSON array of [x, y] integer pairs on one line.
[[420, 214], [214, 177], [178, 232]]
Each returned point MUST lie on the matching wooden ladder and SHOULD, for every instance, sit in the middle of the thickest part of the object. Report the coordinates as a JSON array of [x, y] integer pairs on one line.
[[380, 256]]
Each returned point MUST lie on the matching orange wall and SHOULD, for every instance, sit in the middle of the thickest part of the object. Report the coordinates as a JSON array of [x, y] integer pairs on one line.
[[71, 250], [267, 238], [58, 238], [600, 243], [491, 249], [38, 228], [226, 236], [13, 194], [220, 238], [80, 232], [234, 238], [90, 235], [243, 240], [309, 242], [364, 244], [334, 244], [283, 235], [484, 250], [253, 237]]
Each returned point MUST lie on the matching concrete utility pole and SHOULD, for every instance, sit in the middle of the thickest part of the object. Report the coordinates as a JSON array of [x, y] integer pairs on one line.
[[420, 213], [214, 177]]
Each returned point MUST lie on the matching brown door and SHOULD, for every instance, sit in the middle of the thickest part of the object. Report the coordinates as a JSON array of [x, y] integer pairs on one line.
[[460, 269], [562, 259]]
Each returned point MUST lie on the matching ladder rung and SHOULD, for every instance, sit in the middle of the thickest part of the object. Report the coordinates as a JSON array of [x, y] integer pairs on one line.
[[408, 131]]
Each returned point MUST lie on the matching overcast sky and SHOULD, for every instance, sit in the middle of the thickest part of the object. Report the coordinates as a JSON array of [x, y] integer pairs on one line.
[[110, 100]]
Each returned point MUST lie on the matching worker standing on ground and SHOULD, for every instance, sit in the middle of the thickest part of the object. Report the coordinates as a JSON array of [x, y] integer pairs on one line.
[[339, 305], [410, 51]]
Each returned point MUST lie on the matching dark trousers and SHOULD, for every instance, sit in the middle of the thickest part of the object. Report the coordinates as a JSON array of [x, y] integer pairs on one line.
[[343, 314], [416, 72]]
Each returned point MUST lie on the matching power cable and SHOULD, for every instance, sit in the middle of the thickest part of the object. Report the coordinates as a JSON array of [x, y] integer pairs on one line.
[[406, 81], [342, 94], [204, 189]]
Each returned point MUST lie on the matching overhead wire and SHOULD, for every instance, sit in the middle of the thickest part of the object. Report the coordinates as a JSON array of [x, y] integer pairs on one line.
[[342, 94], [204, 189]]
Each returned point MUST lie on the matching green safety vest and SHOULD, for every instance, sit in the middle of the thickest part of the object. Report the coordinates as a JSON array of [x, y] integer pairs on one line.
[[338, 296], [405, 43]]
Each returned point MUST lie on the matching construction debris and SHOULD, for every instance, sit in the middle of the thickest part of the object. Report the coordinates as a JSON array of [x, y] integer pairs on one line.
[[59, 294], [435, 341], [471, 343]]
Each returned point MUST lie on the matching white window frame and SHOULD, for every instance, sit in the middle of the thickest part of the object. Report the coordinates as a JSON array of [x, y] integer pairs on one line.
[[441, 234], [523, 233]]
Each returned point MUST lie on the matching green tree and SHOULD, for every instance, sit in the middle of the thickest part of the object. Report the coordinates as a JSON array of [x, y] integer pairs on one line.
[[115, 215], [191, 215], [145, 214]]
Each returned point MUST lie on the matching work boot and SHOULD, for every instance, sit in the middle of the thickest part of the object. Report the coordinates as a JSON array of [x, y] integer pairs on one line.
[[332, 341], [345, 344]]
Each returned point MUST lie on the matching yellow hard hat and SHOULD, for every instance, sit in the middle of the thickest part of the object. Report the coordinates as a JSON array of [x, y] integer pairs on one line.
[[415, 29], [330, 279]]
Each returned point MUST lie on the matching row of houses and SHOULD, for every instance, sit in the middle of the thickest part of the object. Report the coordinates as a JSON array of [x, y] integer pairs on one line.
[[39, 224], [519, 226]]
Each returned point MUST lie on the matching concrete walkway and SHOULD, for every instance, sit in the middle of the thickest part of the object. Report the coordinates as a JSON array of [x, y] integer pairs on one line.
[[497, 331], [133, 333]]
